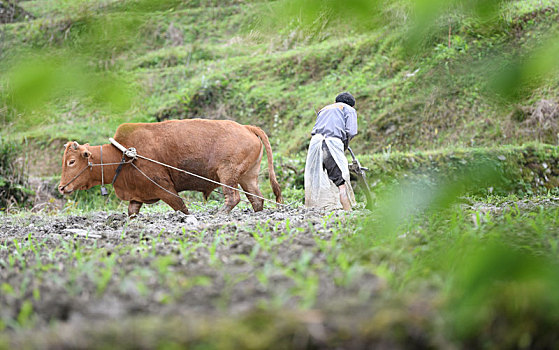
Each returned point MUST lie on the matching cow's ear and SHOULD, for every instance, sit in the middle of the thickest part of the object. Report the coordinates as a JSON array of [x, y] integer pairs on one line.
[[86, 154]]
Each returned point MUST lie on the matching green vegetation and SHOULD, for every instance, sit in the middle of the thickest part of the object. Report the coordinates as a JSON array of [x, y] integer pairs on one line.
[[82, 68], [14, 189], [458, 122], [185, 59], [526, 170]]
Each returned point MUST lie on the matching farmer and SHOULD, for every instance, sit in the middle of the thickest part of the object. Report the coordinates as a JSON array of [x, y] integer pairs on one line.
[[326, 171]]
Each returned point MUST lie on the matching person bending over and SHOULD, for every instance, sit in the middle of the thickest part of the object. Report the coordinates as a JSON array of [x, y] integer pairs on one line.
[[326, 170]]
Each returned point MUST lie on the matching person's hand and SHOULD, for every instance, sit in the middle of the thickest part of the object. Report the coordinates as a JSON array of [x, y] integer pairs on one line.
[[354, 167]]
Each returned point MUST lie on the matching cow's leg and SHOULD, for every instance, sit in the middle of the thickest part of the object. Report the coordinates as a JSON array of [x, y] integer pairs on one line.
[[232, 197], [249, 183], [134, 209], [251, 186], [169, 195], [174, 202]]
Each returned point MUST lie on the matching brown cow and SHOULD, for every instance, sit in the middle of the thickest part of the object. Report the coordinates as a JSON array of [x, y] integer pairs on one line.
[[221, 150]]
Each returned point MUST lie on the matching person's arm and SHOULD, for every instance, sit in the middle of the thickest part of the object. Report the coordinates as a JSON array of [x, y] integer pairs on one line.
[[351, 124]]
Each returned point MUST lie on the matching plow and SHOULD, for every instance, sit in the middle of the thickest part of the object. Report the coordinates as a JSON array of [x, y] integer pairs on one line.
[[360, 172]]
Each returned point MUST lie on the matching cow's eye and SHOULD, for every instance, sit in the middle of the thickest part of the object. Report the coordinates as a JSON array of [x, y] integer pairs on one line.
[[71, 162]]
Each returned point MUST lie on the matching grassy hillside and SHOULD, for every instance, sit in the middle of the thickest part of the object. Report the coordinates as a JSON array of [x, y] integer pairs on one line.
[[78, 69], [196, 59], [457, 102]]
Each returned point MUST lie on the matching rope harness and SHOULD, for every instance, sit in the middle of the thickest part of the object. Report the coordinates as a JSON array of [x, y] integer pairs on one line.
[[104, 191], [133, 155], [91, 165]]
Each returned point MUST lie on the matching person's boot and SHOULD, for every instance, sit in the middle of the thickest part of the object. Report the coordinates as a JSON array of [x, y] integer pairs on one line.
[[344, 199]]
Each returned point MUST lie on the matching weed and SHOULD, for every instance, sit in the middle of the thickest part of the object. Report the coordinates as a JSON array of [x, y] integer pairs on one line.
[[14, 184], [25, 316], [212, 249], [104, 274]]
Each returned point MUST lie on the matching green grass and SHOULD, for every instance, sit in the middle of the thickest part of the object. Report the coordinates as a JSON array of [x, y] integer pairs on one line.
[[463, 235], [482, 261], [199, 60]]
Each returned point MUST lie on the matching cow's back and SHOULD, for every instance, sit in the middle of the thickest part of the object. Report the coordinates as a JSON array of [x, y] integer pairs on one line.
[[199, 146], [197, 137]]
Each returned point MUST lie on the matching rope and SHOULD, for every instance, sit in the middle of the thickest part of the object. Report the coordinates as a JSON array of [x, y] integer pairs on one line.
[[89, 165], [75, 177], [99, 164], [203, 178], [163, 188], [155, 183], [102, 173]]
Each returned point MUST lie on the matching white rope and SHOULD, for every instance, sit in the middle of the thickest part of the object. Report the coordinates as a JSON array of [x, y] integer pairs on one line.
[[155, 183], [163, 188], [205, 178]]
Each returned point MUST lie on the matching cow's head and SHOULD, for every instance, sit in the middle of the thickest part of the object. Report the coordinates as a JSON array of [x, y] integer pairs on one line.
[[74, 164]]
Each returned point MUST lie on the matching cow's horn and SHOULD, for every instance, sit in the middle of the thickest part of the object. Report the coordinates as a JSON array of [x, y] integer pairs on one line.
[[75, 145]]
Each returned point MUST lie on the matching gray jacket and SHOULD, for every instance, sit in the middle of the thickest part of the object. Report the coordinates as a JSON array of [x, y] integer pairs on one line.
[[336, 120]]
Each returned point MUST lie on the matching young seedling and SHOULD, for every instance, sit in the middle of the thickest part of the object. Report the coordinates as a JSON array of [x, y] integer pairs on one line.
[[212, 249]]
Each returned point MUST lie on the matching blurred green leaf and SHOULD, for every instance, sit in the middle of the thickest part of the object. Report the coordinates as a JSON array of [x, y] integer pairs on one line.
[[427, 23], [401, 204], [31, 82], [503, 295], [429, 15], [322, 15], [526, 72], [41, 77], [147, 6]]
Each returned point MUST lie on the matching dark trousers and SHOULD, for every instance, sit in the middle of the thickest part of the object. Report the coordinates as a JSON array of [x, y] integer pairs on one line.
[[332, 168]]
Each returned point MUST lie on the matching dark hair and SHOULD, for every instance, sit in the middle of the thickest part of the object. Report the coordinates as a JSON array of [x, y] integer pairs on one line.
[[346, 98]]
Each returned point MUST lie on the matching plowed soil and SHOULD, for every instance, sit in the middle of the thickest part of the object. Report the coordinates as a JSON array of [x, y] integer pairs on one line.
[[72, 280]]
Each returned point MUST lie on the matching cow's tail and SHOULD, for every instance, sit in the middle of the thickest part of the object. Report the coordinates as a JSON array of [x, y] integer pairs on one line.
[[273, 181]]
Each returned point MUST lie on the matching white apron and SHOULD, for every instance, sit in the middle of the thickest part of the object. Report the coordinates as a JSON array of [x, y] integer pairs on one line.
[[320, 191]]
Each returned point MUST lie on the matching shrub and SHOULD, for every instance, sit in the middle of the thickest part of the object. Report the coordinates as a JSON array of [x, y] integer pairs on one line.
[[13, 177]]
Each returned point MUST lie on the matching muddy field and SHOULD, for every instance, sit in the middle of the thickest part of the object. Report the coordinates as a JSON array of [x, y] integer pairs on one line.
[[289, 278], [72, 280]]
